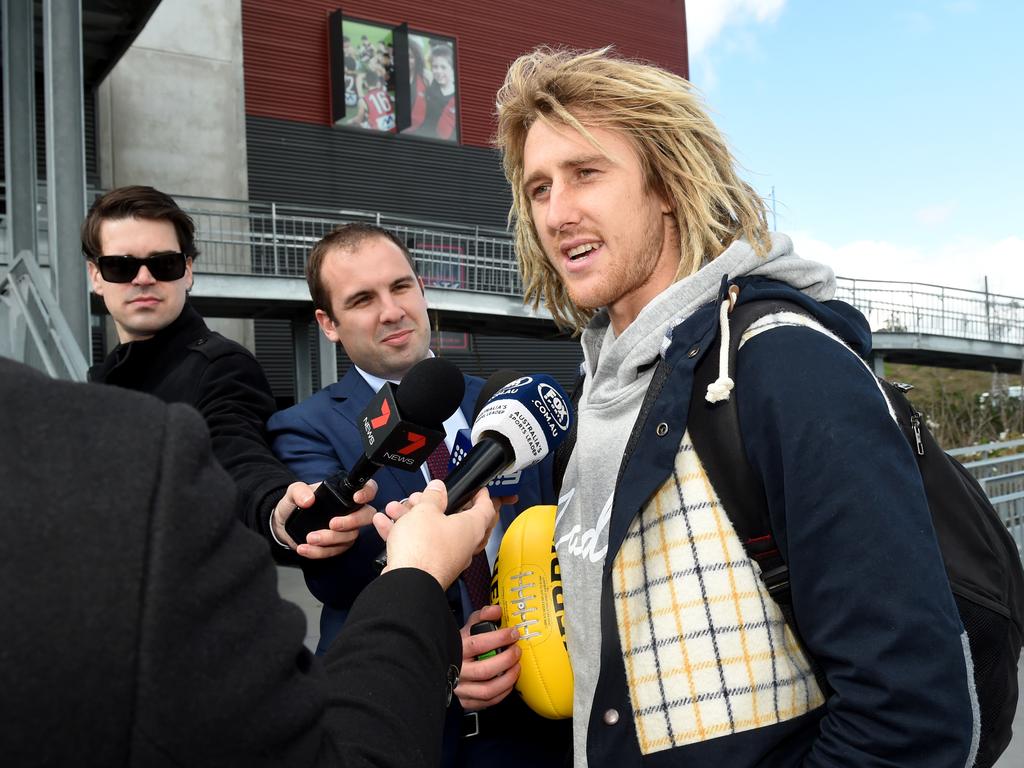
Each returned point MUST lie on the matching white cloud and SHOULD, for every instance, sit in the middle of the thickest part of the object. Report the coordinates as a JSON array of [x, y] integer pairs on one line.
[[962, 6], [706, 19], [961, 264], [931, 215]]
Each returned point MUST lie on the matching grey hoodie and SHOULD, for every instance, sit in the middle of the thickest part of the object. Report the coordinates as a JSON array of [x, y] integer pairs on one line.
[[618, 371]]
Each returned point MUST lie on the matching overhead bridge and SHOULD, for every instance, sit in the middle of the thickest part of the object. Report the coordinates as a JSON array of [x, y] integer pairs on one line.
[[255, 254]]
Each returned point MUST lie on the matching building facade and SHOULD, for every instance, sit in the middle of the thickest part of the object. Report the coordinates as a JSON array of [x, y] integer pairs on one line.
[[272, 127]]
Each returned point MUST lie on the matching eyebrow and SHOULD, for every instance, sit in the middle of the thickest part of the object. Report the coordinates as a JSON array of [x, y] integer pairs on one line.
[[164, 252], [398, 283], [574, 162]]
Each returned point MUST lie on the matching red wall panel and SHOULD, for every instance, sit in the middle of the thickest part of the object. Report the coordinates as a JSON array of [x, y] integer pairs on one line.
[[286, 60]]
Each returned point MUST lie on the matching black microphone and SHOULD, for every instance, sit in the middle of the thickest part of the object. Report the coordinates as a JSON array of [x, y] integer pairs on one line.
[[520, 424], [400, 428]]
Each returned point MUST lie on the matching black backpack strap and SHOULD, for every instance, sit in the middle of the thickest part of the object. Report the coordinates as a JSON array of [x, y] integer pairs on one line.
[[715, 432], [562, 453]]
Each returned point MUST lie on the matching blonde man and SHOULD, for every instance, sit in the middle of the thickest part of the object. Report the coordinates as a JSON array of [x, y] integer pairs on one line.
[[633, 227]]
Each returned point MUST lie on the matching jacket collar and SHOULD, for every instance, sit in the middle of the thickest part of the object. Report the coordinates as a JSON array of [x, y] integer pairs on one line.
[[351, 394], [186, 328]]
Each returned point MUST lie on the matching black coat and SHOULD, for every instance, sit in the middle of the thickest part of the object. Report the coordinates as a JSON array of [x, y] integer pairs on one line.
[[186, 362], [142, 624]]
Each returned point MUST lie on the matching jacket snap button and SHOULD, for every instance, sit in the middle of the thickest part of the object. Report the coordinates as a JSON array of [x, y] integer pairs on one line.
[[200, 342], [611, 716], [453, 681], [693, 352], [662, 429]]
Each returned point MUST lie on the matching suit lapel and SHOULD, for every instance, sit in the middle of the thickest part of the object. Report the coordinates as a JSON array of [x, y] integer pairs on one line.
[[351, 395], [473, 387]]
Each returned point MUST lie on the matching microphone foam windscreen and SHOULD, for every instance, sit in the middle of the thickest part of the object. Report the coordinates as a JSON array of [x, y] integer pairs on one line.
[[531, 413], [494, 382], [430, 392]]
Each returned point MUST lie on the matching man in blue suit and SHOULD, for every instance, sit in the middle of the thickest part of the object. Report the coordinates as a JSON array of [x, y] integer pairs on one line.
[[369, 299]]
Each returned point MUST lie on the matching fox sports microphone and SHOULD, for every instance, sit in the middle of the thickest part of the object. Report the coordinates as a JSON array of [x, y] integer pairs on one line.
[[517, 427], [400, 427], [502, 485]]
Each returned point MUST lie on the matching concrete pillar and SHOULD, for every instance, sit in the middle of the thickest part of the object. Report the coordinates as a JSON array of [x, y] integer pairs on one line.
[[19, 127], [303, 364], [328, 361], [65, 161], [878, 364]]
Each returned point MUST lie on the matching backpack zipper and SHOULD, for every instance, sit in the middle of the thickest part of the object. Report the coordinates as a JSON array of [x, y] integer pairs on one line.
[[915, 424]]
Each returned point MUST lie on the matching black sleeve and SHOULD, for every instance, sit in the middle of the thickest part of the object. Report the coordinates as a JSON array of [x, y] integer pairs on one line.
[[223, 677], [235, 399], [390, 671]]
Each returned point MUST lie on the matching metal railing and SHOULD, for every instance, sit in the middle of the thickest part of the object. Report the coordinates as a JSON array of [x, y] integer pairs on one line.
[[1011, 511], [934, 309], [985, 449], [272, 239], [1002, 480], [32, 326], [255, 238]]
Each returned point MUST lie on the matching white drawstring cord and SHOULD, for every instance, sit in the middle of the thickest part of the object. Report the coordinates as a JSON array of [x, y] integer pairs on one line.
[[719, 389]]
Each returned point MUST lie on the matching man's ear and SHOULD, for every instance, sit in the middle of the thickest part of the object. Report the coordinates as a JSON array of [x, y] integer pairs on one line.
[[327, 326], [188, 272], [423, 286], [95, 278]]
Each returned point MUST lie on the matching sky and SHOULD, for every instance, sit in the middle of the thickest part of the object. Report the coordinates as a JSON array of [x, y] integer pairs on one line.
[[891, 132]]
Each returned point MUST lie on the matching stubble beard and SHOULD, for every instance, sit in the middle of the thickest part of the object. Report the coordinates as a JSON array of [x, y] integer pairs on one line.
[[629, 270]]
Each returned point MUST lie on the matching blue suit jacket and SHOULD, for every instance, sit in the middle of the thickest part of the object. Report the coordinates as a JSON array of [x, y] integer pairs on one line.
[[320, 436]]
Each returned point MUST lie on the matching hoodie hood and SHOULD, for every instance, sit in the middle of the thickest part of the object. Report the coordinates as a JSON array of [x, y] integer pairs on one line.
[[838, 317], [614, 363]]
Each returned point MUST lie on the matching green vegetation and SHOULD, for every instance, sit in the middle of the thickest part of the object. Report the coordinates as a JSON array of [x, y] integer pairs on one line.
[[964, 407]]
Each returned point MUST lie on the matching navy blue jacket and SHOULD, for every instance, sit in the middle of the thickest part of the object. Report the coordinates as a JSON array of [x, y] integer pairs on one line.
[[869, 589]]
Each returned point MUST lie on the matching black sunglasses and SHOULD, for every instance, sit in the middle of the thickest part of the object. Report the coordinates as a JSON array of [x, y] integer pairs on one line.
[[123, 269]]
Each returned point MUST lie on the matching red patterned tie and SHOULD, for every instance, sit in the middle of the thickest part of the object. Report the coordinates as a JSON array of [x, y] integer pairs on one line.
[[477, 577]]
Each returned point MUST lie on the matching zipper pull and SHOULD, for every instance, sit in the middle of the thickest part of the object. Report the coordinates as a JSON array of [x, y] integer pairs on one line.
[[915, 424]]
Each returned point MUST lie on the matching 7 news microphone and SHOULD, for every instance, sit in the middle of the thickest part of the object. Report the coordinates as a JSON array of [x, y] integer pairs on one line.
[[400, 427]]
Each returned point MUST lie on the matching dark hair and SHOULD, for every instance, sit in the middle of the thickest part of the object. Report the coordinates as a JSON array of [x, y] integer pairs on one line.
[[444, 51], [347, 237], [137, 202], [417, 55]]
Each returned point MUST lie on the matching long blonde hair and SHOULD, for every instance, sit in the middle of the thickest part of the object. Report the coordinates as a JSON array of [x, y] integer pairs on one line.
[[683, 156]]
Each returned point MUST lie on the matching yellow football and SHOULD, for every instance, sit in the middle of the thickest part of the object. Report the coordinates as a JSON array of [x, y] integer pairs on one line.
[[527, 584]]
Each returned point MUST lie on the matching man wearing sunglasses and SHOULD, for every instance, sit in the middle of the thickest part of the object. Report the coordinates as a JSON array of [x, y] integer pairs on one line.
[[140, 247]]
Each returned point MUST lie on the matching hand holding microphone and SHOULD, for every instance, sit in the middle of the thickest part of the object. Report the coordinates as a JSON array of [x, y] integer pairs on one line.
[[400, 427], [425, 538]]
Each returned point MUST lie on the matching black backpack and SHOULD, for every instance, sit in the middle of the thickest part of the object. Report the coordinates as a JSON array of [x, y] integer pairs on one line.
[[981, 558]]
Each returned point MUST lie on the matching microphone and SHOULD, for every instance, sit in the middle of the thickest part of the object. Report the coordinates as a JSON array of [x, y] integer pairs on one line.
[[400, 427], [517, 427], [502, 485]]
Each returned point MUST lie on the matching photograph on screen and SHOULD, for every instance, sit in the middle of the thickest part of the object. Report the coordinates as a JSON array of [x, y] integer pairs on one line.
[[370, 69]]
